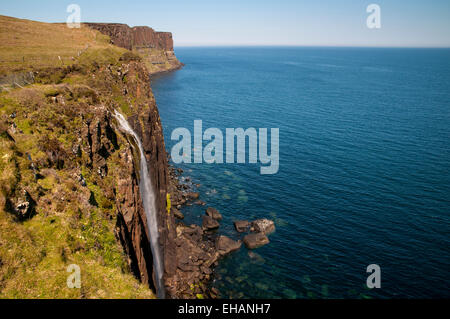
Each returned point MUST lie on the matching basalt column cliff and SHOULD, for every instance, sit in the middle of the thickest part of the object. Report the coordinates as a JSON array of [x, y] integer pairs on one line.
[[155, 47]]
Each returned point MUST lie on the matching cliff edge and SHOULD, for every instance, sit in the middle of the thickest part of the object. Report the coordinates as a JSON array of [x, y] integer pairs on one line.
[[156, 48]]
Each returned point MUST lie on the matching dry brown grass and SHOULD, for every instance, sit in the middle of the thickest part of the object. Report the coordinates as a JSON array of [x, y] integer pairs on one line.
[[27, 45]]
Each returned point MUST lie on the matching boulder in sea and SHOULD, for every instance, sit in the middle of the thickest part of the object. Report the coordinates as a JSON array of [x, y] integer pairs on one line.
[[209, 223], [256, 240], [264, 226], [213, 213], [226, 245], [241, 226]]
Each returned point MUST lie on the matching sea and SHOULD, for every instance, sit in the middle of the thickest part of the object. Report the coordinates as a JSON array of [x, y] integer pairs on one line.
[[364, 166]]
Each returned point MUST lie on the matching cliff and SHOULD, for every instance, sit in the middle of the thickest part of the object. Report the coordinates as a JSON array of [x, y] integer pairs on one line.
[[125, 37], [155, 47], [69, 181]]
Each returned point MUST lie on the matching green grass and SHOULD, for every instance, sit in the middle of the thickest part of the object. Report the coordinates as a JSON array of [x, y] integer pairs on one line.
[[29, 45], [35, 256]]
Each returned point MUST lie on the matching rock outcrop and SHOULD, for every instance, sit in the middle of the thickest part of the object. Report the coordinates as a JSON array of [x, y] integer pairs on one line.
[[263, 225], [155, 47], [125, 37]]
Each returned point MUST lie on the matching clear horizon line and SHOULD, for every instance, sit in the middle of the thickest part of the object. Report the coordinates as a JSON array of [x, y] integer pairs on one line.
[[192, 45], [311, 46]]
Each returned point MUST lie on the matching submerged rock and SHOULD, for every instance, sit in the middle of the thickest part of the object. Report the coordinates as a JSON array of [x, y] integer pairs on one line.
[[256, 258], [264, 226], [192, 195], [209, 223], [213, 213], [241, 226], [257, 240]]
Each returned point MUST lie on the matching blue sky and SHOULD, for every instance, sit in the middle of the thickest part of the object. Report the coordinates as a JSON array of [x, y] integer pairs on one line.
[[412, 23]]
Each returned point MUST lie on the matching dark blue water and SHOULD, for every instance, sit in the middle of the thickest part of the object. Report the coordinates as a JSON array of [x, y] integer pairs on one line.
[[364, 166]]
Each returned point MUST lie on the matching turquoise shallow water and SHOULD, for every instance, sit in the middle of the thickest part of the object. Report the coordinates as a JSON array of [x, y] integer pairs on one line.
[[364, 165]]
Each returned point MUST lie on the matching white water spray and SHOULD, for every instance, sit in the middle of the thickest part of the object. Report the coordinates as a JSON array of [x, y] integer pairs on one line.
[[148, 199]]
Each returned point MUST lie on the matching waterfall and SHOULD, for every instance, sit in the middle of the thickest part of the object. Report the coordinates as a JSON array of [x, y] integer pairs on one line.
[[148, 199]]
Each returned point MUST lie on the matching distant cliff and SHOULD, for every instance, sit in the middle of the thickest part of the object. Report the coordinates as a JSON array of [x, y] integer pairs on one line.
[[155, 47], [124, 36]]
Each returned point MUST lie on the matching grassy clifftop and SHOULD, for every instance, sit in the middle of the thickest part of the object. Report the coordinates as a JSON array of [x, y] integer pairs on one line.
[[60, 161], [29, 45]]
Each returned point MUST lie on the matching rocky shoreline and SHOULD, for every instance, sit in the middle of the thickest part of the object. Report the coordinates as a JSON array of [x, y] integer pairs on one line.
[[200, 248]]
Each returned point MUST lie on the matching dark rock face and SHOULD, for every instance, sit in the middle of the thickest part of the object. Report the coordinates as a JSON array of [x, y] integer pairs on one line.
[[100, 135], [120, 34], [241, 226], [124, 36], [256, 240], [147, 125], [147, 37], [213, 213], [100, 140]]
